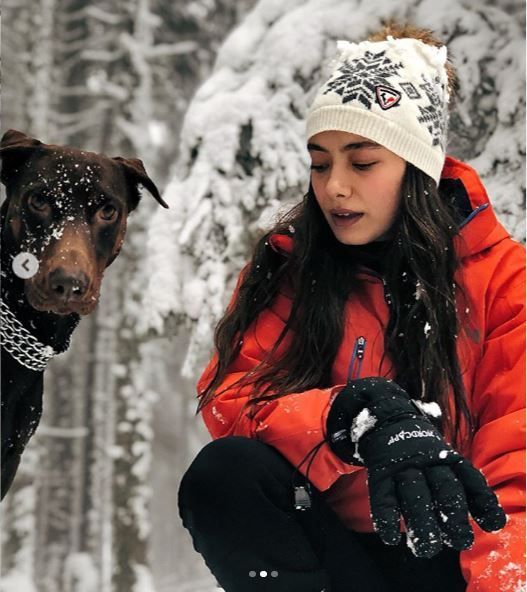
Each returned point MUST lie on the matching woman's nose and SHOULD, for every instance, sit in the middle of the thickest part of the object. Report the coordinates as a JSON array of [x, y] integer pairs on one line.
[[338, 184]]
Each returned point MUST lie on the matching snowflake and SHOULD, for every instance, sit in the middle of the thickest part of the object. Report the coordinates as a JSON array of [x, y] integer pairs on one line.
[[357, 79], [432, 115]]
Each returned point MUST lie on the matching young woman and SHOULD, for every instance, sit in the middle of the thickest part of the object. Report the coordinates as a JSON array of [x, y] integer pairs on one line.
[[372, 356]]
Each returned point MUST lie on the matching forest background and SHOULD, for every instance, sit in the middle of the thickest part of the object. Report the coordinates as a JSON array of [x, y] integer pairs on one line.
[[211, 95]]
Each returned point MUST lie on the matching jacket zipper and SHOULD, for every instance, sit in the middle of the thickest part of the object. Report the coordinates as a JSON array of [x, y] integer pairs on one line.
[[356, 359]]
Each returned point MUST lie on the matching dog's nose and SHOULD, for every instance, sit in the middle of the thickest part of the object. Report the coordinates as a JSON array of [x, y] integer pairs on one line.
[[68, 284]]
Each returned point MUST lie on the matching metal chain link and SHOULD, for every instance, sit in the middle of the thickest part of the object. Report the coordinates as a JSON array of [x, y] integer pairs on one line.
[[18, 341]]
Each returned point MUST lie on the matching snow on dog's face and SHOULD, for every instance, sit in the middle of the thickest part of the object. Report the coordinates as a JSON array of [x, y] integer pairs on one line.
[[68, 208], [357, 184]]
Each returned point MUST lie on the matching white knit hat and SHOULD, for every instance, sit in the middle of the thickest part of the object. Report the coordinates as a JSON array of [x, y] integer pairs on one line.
[[394, 92]]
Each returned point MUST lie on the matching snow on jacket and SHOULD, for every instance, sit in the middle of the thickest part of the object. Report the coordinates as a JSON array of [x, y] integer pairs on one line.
[[493, 369]]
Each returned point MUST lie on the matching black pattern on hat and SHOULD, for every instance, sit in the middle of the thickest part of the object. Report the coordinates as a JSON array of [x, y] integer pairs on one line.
[[357, 80], [432, 114]]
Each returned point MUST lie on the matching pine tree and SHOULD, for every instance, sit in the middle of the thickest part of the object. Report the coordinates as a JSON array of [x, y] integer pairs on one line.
[[114, 77], [243, 156]]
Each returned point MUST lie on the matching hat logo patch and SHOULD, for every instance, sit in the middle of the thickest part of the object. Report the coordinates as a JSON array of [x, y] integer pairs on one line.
[[387, 97]]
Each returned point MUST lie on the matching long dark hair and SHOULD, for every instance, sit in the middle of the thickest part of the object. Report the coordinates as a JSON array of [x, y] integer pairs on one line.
[[424, 323]]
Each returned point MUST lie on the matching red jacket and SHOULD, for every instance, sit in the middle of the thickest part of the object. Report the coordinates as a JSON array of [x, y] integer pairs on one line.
[[494, 278]]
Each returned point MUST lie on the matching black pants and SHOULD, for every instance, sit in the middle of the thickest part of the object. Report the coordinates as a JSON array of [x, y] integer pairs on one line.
[[236, 500]]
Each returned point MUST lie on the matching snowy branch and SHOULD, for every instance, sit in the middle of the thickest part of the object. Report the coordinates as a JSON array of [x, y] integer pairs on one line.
[[169, 49], [101, 55], [243, 152]]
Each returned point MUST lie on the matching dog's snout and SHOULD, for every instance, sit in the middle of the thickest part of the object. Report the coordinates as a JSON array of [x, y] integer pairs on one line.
[[68, 284]]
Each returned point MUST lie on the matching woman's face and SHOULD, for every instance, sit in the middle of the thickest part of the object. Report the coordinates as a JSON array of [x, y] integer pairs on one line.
[[357, 184]]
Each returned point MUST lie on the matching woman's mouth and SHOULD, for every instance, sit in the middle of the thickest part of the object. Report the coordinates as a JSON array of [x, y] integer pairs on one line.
[[345, 220]]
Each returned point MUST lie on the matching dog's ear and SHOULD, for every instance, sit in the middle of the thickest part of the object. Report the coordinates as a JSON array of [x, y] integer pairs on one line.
[[15, 138], [136, 174], [15, 148]]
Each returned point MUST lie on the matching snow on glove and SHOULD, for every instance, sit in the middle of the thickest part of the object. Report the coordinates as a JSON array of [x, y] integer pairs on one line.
[[412, 470]]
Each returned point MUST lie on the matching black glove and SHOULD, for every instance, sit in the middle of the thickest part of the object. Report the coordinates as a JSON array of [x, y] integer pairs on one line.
[[411, 469]]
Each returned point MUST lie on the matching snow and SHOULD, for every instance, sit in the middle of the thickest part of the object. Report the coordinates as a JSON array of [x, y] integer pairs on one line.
[[19, 523], [80, 573], [361, 424], [243, 160], [512, 574], [411, 539], [144, 581], [15, 581], [218, 416], [158, 132], [429, 408], [243, 152]]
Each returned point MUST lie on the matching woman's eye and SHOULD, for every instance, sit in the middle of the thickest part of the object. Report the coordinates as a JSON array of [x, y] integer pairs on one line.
[[318, 167], [365, 166], [38, 202], [107, 212]]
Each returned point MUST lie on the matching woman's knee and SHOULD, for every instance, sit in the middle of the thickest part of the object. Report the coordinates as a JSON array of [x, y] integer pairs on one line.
[[227, 466]]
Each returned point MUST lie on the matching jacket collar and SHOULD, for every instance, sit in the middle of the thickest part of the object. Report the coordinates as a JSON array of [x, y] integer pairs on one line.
[[479, 229]]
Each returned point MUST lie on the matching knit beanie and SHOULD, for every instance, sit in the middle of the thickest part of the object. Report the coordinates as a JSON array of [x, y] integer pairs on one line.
[[394, 92]]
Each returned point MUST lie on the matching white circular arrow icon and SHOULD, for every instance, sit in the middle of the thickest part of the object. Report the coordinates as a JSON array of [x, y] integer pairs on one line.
[[25, 265]]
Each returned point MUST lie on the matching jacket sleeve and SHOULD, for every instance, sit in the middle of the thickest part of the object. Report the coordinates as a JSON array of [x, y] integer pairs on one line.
[[294, 424], [496, 561]]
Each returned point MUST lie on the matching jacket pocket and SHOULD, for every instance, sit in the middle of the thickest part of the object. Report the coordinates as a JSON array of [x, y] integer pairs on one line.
[[357, 357]]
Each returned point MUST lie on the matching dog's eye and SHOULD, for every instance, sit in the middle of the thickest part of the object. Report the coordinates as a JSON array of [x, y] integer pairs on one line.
[[108, 212], [38, 202]]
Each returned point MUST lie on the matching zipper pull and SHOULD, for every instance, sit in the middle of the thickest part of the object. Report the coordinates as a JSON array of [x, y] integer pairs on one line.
[[302, 497], [361, 343]]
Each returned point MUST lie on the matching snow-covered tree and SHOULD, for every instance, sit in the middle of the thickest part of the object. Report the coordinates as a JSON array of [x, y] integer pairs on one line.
[[18, 527], [115, 77], [243, 153], [15, 51]]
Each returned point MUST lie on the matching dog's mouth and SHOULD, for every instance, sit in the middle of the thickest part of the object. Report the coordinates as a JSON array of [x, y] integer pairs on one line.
[[50, 303]]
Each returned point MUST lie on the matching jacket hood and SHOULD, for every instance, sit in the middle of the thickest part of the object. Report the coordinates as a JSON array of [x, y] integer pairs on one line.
[[479, 229]]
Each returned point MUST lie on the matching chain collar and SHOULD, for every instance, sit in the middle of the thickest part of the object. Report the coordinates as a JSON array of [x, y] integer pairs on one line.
[[18, 341]]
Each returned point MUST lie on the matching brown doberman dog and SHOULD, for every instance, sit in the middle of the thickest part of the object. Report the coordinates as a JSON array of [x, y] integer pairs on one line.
[[65, 214]]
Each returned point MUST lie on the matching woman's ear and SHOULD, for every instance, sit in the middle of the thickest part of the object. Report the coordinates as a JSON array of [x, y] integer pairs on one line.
[[135, 173], [15, 149]]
